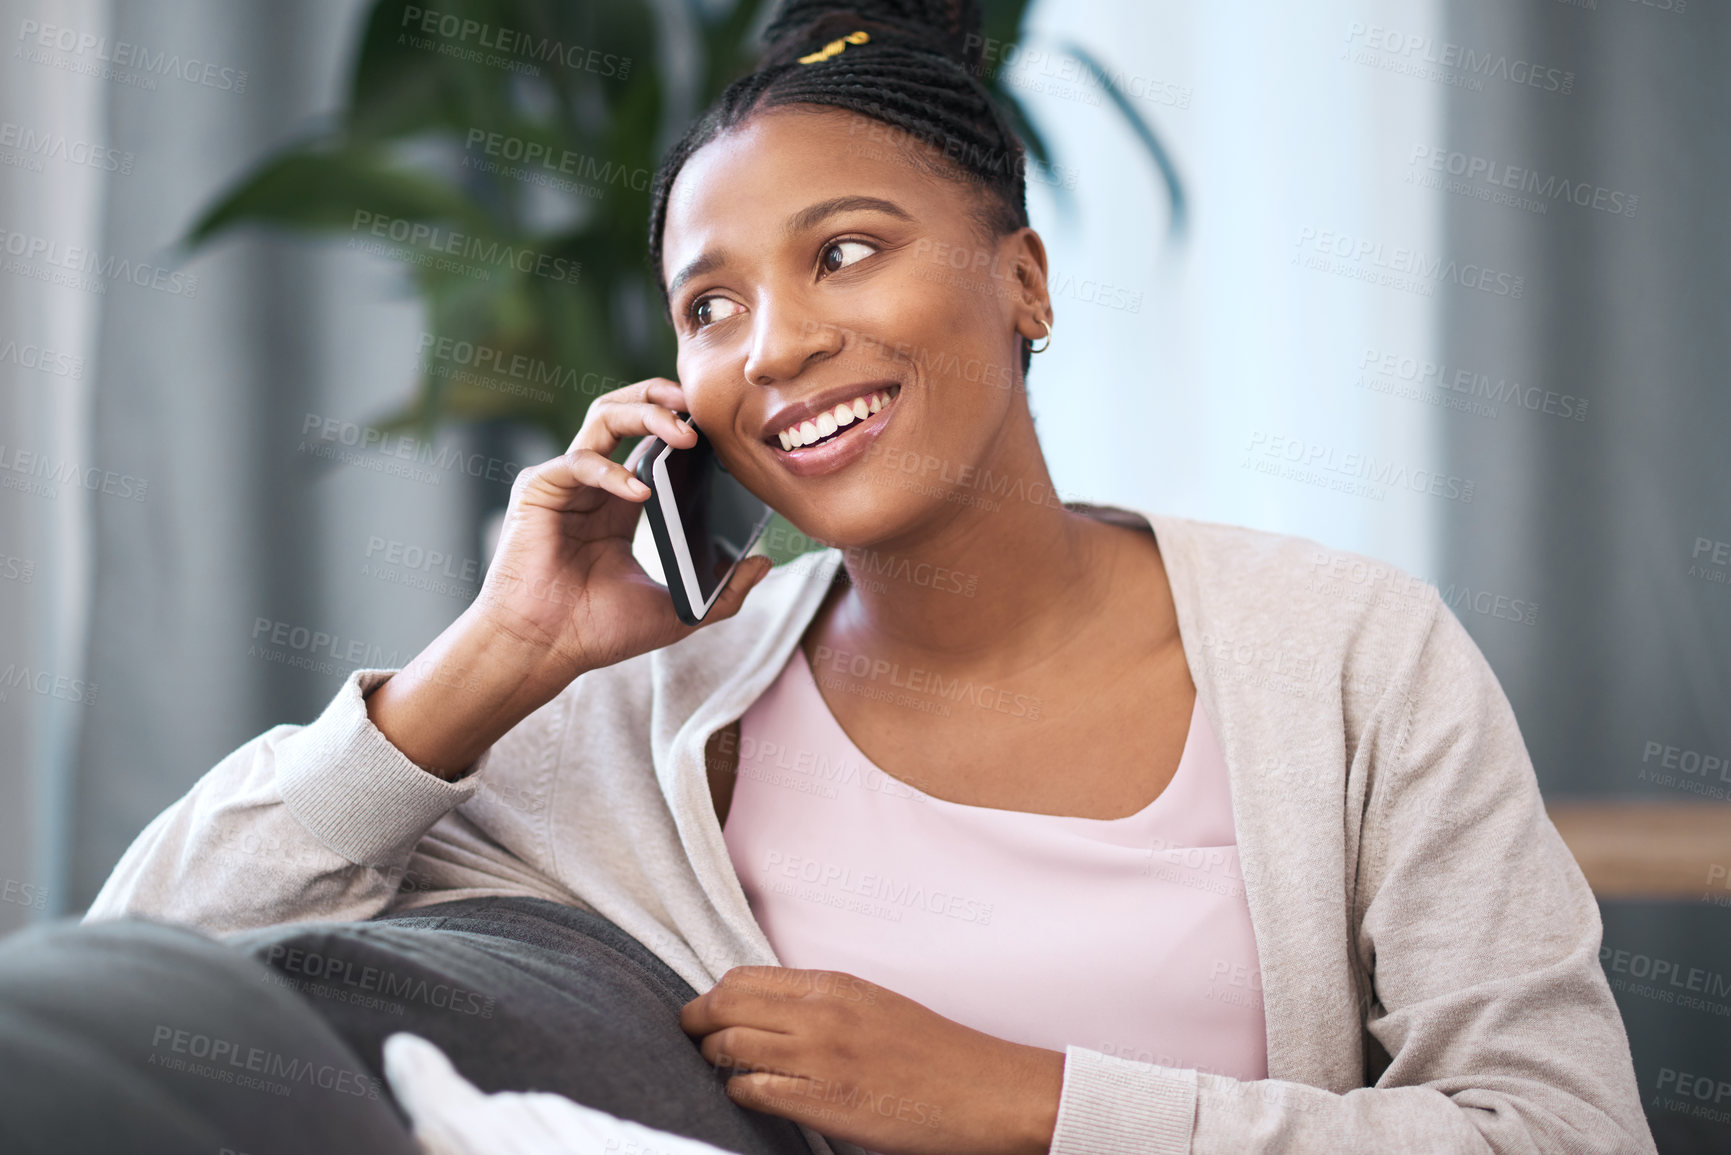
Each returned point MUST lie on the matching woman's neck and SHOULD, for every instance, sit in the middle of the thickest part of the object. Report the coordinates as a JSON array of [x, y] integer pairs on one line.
[[1004, 580]]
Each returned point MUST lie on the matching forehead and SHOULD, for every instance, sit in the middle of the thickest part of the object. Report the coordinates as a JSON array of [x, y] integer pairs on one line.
[[778, 162]]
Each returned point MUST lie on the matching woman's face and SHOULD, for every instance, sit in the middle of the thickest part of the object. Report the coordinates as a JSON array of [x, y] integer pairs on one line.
[[811, 264]]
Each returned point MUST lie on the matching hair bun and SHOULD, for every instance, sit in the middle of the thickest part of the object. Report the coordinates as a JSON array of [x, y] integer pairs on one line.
[[946, 27]]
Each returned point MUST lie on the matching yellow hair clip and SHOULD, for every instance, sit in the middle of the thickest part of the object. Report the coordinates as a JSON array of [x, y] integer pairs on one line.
[[834, 47]]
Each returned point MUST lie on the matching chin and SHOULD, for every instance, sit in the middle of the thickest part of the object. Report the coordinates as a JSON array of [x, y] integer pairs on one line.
[[861, 515]]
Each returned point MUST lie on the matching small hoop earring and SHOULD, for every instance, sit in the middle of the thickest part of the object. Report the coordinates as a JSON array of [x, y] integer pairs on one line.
[[1048, 338]]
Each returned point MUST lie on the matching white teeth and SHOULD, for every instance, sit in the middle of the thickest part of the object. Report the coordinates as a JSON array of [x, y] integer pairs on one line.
[[827, 422]]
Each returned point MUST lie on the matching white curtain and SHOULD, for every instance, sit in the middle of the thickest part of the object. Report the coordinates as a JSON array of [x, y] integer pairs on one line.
[[199, 374], [51, 209]]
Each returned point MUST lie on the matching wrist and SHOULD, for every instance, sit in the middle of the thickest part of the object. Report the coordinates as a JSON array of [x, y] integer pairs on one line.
[[508, 649], [467, 689], [1035, 1100]]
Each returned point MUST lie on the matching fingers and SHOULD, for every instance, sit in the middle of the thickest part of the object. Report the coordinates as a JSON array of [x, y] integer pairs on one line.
[[736, 1000], [636, 454], [750, 1049], [774, 1093], [607, 425], [768, 1063], [767, 998], [563, 482], [648, 407], [642, 410]]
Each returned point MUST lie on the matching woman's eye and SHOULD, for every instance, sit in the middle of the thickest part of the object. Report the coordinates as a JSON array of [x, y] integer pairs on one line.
[[708, 310], [838, 255]]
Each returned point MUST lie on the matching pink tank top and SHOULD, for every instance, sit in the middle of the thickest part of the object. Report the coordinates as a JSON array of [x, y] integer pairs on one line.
[[1128, 936]]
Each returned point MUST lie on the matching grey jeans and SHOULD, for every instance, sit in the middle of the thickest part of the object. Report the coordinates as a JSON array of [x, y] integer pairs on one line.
[[134, 1036]]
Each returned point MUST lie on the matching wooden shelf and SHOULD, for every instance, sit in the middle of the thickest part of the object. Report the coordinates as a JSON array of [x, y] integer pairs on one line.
[[1666, 850]]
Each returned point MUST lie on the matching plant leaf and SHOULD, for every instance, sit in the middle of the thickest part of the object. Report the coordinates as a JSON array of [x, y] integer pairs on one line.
[[1150, 140], [317, 188]]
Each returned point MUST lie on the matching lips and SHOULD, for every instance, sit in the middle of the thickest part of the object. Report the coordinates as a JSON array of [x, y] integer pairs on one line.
[[845, 443]]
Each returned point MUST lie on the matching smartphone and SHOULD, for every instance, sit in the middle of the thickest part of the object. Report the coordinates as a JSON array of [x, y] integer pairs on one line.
[[704, 520]]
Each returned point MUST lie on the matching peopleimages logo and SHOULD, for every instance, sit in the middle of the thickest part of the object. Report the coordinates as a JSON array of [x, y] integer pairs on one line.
[[121, 54], [1360, 474], [391, 984], [464, 247], [61, 686], [532, 154], [1008, 56], [488, 361], [46, 259], [1457, 64], [58, 146], [333, 432], [1399, 267], [1381, 369], [894, 893], [1496, 176], [229, 1061], [509, 43], [43, 475], [41, 359]]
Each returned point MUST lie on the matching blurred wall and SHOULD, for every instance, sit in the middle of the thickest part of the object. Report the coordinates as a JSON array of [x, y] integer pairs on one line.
[[1609, 483], [1217, 373]]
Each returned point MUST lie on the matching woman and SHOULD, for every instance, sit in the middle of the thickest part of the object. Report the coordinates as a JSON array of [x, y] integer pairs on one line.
[[1130, 833]]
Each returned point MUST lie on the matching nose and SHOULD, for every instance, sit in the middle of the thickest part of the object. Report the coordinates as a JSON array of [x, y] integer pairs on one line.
[[785, 339]]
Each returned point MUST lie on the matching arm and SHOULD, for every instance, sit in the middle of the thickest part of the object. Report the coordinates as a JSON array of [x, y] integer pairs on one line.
[[302, 822], [319, 821], [1482, 937]]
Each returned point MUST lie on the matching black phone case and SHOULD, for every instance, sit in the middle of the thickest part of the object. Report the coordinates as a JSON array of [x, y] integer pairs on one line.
[[663, 539]]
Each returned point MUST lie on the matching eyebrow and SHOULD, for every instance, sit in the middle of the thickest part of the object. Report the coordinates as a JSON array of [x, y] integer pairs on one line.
[[807, 218]]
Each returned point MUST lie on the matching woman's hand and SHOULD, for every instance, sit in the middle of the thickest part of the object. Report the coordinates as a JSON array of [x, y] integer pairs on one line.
[[563, 595], [563, 575], [857, 1062]]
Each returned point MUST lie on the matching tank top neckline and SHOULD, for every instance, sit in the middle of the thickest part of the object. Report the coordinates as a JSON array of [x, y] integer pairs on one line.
[[806, 681]]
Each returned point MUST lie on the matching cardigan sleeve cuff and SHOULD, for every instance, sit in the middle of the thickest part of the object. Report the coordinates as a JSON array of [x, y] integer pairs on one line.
[[1113, 1106], [355, 791]]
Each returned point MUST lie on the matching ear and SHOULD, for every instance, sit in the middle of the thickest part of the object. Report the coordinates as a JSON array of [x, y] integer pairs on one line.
[[1033, 301]]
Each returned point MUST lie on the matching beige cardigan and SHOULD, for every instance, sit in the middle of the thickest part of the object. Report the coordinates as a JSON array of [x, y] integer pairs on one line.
[[1428, 946]]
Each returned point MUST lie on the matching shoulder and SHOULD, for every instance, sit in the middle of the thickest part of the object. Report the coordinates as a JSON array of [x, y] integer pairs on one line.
[[1240, 568], [1319, 609]]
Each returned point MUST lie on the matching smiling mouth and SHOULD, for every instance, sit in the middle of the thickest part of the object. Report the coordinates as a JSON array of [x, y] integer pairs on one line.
[[838, 421]]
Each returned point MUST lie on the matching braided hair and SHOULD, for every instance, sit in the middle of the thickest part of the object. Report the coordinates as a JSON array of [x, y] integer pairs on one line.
[[917, 71]]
